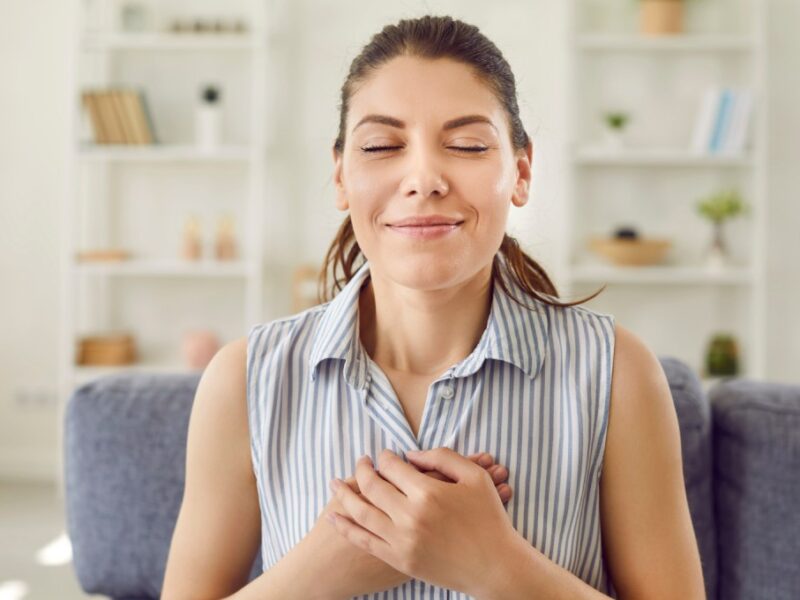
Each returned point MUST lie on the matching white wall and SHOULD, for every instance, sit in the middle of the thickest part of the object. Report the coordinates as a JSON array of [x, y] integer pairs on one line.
[[321, 39]]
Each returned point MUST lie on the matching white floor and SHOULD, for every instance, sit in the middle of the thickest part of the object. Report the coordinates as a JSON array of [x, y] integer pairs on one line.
[[31, 527]]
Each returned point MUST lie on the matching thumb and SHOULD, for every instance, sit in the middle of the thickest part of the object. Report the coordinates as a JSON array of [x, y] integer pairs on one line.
[[446, 461]]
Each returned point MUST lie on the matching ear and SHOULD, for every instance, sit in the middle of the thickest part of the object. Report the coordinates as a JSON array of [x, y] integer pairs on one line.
[[524, 158], [341, 197]]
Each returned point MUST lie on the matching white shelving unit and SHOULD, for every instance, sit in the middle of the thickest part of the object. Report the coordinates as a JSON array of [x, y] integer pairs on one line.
[[107, 184], [654, 182]]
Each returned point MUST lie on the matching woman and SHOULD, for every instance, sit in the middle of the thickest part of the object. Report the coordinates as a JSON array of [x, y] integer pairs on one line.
[[445, 348]]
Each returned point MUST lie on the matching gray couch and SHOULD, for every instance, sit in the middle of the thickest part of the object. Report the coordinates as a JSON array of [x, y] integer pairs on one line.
[[125, 438]]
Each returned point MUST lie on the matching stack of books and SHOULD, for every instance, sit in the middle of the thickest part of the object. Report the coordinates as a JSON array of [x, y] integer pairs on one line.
[[119, 116], [723, 121]]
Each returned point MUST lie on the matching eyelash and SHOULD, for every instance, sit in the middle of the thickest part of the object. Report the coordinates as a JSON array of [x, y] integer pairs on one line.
[[472, 149]]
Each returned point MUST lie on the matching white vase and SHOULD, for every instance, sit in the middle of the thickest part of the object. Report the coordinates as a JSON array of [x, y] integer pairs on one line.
[[207, 126], [614, 139], [717, 256]]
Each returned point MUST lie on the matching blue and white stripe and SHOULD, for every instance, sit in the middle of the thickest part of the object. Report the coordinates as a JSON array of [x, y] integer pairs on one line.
[[534, 393]]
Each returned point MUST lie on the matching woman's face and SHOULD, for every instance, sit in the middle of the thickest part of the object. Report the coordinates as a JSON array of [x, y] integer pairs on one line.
[[409, 152]]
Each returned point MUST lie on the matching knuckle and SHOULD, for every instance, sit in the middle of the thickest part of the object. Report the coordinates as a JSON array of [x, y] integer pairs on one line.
[[361, 513]]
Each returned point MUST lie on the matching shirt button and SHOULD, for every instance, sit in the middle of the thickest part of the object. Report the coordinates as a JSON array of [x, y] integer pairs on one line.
[[447, 392]]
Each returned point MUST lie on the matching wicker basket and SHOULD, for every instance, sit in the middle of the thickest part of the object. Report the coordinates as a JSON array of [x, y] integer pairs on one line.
[[116, 349], [631, 252]]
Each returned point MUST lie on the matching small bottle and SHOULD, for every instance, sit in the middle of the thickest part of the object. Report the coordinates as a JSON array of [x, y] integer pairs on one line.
[[192, 247], [225, 244], [208, 119]]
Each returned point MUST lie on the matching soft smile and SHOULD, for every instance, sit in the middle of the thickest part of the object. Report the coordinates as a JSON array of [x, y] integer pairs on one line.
[[425, 232]]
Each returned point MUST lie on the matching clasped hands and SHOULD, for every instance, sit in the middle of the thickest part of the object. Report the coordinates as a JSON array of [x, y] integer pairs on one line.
[[439, 518]]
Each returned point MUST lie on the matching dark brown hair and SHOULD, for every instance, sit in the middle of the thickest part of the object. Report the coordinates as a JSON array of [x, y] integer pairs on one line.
[[432, 37]]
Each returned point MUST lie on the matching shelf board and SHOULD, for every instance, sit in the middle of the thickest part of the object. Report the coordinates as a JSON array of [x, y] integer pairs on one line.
[[656, 157], [171, 41], [661, 275], [157, 268], [162, 153], [672, 43], [84, 374]]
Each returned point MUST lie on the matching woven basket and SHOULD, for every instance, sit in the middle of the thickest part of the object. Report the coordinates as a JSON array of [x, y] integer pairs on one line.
[[628, 252]]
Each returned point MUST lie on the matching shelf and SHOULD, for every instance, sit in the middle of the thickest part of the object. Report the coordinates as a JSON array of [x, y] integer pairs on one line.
[[84, 374], [162, 153], [676, 43], [668, 275], [656, 157], [157, 268], [171, 41]]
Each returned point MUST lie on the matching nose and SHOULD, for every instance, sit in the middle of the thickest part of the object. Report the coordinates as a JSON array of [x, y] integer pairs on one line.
[[425, 175]]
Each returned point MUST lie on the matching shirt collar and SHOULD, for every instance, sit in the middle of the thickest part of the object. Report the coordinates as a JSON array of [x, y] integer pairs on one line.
[[514, 334]]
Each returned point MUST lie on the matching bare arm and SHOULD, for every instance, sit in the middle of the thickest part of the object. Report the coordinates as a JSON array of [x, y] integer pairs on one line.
[[218, 530], [649, 539]]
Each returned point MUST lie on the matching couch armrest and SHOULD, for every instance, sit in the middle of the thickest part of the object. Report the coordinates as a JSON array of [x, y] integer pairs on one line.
[[124, 471]]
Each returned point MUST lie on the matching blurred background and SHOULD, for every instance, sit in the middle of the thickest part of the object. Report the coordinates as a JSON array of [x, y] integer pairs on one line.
[[165, 184]]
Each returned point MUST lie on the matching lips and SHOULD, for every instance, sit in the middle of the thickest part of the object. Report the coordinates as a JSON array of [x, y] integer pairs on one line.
[[427, 221], [425, 228]]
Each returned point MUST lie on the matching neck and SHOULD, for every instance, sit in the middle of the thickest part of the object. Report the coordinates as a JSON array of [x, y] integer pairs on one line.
[[423, 333]]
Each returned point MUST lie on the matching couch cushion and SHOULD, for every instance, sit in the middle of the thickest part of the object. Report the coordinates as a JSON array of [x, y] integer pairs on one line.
[[124, 469], [694, 419], [757, 488]]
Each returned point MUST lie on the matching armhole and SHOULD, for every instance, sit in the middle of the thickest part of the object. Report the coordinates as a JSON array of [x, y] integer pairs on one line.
[[606, 359], [255, 339]]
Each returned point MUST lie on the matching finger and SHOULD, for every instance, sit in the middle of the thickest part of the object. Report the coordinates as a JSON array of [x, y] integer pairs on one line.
[[437, 475], [446, 461], [377, 490], [482, 458], [360, 537], [499, 473], [404, 476], [360, 511], [505, 492]]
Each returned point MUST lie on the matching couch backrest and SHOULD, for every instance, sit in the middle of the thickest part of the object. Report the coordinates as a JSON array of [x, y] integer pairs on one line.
[[757, 488], [125, 452]]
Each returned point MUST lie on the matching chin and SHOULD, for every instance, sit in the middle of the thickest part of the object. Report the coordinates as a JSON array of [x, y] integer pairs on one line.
[[426, 272]]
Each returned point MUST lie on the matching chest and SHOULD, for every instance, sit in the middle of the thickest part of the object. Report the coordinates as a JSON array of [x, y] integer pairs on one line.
[[412, 393]]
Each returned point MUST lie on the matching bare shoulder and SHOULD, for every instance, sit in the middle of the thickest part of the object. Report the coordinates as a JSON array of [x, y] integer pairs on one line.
[[648, 537], [218, 530], [221, 398]]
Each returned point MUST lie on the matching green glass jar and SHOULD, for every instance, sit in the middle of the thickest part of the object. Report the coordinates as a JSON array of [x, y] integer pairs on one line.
[[722, 357]]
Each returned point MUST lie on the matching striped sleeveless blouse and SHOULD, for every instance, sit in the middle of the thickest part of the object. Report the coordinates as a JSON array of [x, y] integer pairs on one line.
[[534, 393]]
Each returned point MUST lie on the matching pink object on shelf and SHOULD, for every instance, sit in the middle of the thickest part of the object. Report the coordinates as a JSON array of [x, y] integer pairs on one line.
[[199, 347]]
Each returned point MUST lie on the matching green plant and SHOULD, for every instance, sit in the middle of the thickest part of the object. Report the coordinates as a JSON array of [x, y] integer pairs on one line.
[[616, 120], [722, 205]]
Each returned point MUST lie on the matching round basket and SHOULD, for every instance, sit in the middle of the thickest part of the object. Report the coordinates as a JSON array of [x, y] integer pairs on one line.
[[631, 252]]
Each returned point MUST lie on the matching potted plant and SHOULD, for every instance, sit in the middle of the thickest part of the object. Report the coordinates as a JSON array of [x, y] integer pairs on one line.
[[718, 208], [615, 125], [661, 17]]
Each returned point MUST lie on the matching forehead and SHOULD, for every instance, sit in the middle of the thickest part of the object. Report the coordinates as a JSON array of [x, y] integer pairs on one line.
[[422, 90]]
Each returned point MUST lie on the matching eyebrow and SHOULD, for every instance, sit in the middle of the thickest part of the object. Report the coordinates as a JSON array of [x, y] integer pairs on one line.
[[451, 124]]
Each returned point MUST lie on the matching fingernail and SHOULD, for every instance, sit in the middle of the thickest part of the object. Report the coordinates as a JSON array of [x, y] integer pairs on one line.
[[334, 484], [331, 518]]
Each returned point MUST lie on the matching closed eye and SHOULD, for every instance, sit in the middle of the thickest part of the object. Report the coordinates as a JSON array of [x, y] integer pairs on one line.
[[459, 148]]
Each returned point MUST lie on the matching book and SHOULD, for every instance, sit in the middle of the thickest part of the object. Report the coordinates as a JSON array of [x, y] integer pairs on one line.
[[704, 123], [123, 116], [119, 116], [109, 115], [721, 121], [89, 102], [143, 132], [736, 140]]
